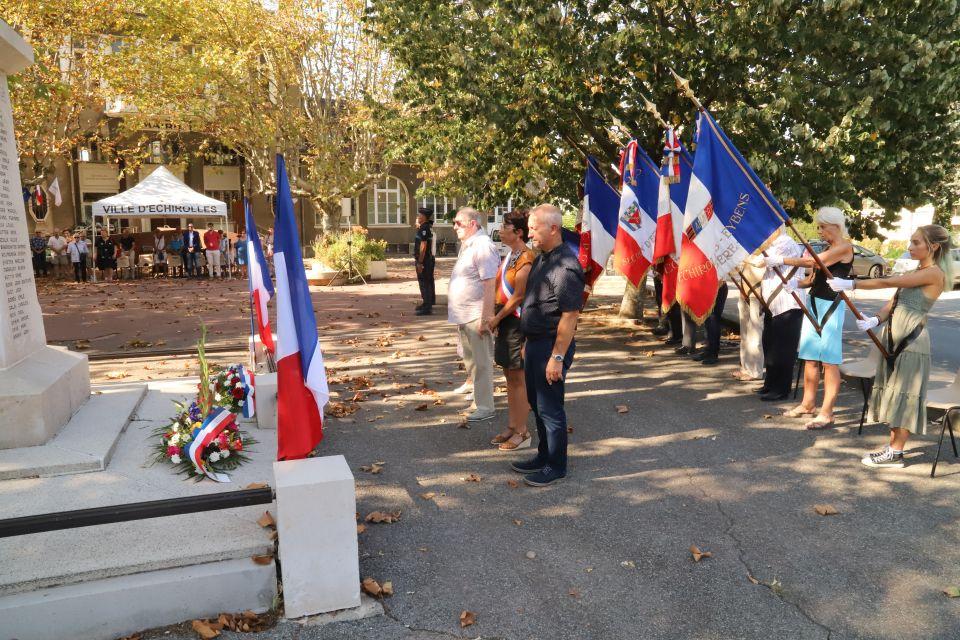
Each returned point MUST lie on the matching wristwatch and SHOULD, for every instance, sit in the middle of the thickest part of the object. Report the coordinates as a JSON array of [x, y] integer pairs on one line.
[[557, 357]]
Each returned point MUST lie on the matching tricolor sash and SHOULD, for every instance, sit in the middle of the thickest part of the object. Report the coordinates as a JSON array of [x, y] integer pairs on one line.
[[505, 289], [218, 420]]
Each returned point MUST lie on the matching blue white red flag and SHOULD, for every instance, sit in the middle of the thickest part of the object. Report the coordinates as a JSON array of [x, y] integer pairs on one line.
[[261, 287], [598, 232], [302, 390], [247, 379], [203, 436], [729, 214], [672, 198], [637, 217]]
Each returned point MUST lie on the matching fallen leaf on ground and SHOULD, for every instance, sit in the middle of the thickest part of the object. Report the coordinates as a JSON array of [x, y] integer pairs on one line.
[[204, 630], [387, 588], [463, 424], [952, 592], [378, 517], [374, 468], [266, 520], [768, 416], [513, 484], [361, 528], [371, 587], [622, 408], [257, 485], [429, 495], [573, 593], [699, 555], [423, 406], [81, 344], [628, 564], [421, 338], [569, 429], [825, 509], [116, 375], [752, 579], [471, 478], [358, 397], [266, 558], [519, 523], [467, 618]]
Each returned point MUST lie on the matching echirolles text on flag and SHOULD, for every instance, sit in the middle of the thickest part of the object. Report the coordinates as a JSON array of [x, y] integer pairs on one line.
[[302, 388], [729, 214], [598, 231], [672, 198], [637, 217], [261, 287]]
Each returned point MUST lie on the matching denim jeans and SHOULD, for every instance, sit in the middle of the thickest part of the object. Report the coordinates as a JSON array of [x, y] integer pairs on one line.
[[546, 401]]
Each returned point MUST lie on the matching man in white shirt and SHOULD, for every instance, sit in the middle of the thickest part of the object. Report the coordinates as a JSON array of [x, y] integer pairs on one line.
[[470, 297], [58, 248], [783, 321]]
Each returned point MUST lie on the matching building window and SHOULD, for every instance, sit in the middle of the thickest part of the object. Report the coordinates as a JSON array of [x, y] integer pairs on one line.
[[387, 202], [444, 208]]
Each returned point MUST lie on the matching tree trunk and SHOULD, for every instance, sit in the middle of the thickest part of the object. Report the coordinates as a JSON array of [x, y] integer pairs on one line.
[[632, 304]]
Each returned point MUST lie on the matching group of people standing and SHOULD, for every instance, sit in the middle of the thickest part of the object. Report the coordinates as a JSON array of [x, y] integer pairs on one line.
[[519, 313], [58, 252], [809, 328]]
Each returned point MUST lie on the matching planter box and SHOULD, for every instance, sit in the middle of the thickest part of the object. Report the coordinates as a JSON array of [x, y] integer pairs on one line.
[[378, 270], [320, 275]]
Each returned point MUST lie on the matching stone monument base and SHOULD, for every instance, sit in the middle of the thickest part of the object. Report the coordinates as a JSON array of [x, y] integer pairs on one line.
[[39, 394]]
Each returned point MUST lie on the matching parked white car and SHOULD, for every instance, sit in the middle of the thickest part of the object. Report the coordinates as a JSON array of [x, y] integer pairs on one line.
[[904, 264]]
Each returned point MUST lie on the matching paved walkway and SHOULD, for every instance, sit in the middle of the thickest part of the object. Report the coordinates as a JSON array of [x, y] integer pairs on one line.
[[695, 460]]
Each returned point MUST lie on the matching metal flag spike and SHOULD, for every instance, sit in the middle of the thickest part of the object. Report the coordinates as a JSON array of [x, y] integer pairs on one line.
[[684, 86]]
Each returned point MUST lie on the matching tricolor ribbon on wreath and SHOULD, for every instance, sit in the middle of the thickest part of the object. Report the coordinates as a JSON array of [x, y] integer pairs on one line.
[[204, 435]]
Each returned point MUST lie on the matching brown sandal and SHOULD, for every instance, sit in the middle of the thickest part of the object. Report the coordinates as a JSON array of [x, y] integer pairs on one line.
[[516, 441], [500, 438], [798, 412]]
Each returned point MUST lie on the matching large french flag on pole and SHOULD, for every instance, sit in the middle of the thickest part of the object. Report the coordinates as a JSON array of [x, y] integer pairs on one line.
[[302, 388], [729, 214], [598, 231], [637, 218], [672, 198], [261, 287]]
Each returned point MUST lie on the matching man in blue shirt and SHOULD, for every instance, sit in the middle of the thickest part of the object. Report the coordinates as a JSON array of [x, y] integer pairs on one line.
[[38, 247], [551, 308]]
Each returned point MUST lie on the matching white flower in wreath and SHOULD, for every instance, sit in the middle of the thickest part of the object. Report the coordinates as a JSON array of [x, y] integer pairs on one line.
[[239, 385], [218, 397], [175, 459], [174, 439], [213, 385], [225, 453], [214, 457]]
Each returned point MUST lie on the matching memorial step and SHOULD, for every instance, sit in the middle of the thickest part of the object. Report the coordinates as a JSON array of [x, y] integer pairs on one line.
[[86, 443]]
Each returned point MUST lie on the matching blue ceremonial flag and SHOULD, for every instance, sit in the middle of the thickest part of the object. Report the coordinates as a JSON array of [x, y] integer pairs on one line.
[[729, 214], [598, 230]]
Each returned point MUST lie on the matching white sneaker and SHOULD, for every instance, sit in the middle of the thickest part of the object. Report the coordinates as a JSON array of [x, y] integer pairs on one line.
[[466, 387]]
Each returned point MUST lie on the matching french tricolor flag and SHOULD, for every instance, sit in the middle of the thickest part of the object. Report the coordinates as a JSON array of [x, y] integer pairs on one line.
[[598, 232], [729, 214], [671, 202], [261, 288], [302, 390], [637, 218]]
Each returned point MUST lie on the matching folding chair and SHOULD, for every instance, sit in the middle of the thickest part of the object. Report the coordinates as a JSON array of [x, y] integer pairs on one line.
[[864, 370], [946, 424]]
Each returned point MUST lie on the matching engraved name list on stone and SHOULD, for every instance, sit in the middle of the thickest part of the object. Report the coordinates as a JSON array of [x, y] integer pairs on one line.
[[21, 325]]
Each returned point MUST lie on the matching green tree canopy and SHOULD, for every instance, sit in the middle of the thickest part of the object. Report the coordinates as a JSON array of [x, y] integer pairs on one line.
[[829, 101]]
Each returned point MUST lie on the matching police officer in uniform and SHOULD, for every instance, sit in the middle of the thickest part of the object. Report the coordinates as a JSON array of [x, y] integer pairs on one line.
[[423, 253]]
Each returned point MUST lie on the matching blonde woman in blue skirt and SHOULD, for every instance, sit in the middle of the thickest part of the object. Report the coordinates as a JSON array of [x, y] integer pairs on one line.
[[900, 388], [824, 347]]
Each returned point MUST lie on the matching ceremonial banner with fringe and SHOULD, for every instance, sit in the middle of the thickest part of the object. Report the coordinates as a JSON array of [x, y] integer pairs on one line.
[[671, 201], [598, 232], [637, 222], [729, 214]]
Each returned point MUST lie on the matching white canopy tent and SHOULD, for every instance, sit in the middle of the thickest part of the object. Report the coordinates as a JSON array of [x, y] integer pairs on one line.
[[159, 195]]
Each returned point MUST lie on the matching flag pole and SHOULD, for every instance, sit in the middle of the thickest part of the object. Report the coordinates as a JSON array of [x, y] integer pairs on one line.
[[750, 289], [683, 85]]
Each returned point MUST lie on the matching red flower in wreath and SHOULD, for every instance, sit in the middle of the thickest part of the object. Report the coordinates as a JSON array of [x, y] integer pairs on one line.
[[238, 393], [238, 445]]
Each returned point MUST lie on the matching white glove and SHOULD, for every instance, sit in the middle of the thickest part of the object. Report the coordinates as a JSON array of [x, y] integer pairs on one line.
[[840, 284], [773, 261], [758, 261], [868, 323]]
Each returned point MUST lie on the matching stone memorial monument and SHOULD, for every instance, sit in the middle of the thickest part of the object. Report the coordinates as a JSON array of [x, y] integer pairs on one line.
[[41, 387]]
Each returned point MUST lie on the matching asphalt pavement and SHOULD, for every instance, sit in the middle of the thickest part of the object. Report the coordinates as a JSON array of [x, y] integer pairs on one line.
[[665, 454]]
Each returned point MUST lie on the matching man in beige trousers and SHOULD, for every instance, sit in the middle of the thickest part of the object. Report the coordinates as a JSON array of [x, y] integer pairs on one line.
[[470, 297]]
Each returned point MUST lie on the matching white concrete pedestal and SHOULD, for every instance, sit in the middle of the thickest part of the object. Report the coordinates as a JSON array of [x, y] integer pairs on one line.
[[317, 529], [266, 398], [40, 394]]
